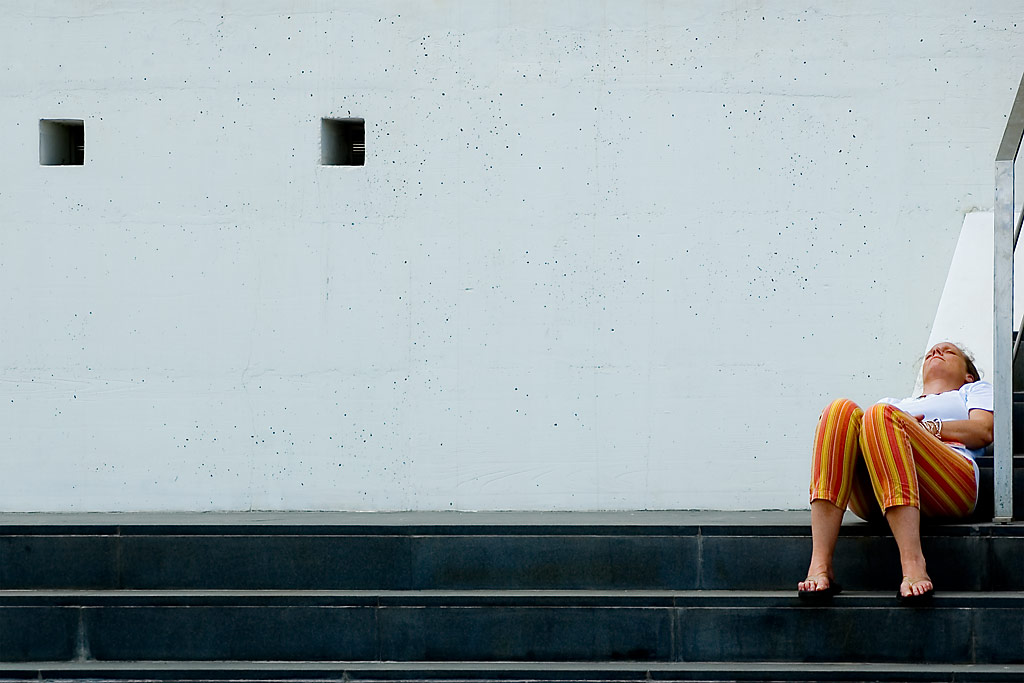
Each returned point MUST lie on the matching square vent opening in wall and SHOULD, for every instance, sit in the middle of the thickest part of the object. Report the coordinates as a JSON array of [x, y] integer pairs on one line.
[[61, 142], [342, 142]]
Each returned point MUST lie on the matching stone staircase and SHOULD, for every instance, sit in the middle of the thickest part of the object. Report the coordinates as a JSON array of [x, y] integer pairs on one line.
[[694, 596]]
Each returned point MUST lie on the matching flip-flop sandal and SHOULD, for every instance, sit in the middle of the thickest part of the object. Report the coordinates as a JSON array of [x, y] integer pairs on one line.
[[914, 600], [823, 595]]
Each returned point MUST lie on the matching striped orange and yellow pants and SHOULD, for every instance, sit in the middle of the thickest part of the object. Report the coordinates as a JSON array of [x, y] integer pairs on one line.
[[887, 452]]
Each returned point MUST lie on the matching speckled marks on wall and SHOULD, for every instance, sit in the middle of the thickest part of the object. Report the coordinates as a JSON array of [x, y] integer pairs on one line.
[[588, 236]]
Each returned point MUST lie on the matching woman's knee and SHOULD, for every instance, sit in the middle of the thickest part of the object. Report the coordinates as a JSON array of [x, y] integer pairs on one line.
[[842, 405], [880, 414], [840, 417], [840, 411], [880, 433]]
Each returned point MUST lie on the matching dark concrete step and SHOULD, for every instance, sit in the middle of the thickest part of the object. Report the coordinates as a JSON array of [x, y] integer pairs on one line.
[[437, 626], [508, 672], [985, 508], [653, 551], [1018, 420]]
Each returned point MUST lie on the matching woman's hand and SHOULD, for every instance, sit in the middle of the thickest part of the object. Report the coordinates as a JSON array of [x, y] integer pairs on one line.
[[934, 425]]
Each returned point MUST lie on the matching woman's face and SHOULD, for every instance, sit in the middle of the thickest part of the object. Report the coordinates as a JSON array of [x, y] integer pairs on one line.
[[945, 360]]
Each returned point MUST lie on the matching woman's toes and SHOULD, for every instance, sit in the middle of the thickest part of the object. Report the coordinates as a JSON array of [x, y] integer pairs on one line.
[[818, 582], [915, 586]]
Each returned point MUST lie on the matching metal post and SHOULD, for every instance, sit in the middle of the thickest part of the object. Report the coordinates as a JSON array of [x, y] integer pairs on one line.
[[1002, 340], [1004, 242]]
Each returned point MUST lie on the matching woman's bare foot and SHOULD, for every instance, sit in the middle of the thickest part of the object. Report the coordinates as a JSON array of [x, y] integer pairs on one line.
[[916, 581]]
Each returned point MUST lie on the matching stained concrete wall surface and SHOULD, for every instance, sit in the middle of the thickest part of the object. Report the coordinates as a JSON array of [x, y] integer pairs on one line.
[[602, 255]]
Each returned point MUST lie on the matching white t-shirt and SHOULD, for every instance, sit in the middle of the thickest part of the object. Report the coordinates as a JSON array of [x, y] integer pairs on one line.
[[950, 405]]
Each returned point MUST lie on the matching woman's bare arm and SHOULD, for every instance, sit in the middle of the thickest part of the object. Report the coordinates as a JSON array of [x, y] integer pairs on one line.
[[973, 433]]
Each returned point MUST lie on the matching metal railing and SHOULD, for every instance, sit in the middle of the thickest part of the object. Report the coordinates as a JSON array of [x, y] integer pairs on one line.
[[1007, 230]]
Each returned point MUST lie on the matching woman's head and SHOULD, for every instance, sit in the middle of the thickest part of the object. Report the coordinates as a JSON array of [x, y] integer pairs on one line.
[[946, 360]]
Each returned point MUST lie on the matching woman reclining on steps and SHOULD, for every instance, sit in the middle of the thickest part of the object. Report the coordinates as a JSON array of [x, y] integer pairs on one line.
[[916, 455]]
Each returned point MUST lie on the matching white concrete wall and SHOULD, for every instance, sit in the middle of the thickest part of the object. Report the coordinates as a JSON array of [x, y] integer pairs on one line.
[[964, 314], [603, 255]]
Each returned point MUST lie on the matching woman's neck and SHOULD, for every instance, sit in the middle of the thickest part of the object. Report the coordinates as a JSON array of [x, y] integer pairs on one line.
[[940, 386]]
